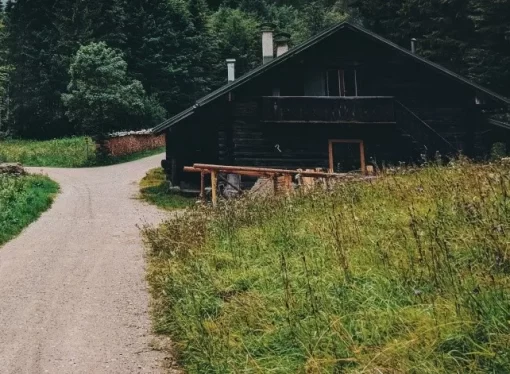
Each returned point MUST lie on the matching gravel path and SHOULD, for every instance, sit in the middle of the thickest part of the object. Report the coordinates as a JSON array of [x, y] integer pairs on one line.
[[73, 297]]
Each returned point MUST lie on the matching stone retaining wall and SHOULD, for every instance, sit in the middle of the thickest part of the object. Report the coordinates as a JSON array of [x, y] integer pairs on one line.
[[129, 144]]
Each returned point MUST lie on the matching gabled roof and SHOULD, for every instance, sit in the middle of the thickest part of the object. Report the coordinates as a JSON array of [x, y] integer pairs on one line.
[[502, 124], [304, 46]]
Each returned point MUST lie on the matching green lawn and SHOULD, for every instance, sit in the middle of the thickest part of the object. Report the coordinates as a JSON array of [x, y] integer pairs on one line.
[[22, 200], [153, 189], [68, 152], [407, 274]]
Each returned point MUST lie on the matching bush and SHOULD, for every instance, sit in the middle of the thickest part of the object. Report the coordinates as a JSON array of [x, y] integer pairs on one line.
[[22, 200]]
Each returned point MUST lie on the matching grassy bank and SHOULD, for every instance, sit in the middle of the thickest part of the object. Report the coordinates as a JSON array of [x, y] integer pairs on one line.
[[154, 190], [22, 200], [408, 274], [69, 152]]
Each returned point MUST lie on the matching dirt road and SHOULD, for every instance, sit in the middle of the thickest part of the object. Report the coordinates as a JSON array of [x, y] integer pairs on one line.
[[73, 298]]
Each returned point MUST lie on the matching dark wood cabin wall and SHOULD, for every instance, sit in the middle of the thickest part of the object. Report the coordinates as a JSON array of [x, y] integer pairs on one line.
[[231, 132], [446, 105], [194, 140], [306, 145]]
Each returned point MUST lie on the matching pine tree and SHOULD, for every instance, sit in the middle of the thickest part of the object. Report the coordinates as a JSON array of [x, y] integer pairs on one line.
[[4, 75], [489, 59], [238, 36], [35, 96], [206, 63], [160, 54], [108, 21], [442, 27]]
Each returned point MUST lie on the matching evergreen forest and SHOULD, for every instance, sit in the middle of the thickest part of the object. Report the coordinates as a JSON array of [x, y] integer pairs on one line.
[[74, 67]]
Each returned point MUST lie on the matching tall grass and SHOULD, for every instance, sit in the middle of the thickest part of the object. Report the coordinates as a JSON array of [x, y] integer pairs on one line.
[[154, 190], [68, 153], [22, 200], [407, 274]]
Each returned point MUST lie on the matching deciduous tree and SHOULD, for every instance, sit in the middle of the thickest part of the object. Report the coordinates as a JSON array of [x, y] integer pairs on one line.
[[102, 98]]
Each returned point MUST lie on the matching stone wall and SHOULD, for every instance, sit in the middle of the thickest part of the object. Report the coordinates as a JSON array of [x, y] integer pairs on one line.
[[128, 144]]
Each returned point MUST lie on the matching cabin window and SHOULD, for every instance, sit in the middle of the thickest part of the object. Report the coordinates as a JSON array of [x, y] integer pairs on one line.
[[346, 156], [315, 83], [342, 82]]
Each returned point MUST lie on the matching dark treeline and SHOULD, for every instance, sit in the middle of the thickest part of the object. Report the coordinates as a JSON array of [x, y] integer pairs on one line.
[[88, 66]]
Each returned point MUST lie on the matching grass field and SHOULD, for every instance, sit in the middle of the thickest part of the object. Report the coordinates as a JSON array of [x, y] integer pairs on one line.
[[69, 153], [22, 200], [407, 274], [153, 189]]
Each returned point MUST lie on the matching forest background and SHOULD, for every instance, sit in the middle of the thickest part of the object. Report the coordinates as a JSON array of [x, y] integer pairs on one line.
[[75, 67]]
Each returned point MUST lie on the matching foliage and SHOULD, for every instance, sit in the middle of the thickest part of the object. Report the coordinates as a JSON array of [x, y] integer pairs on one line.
[[36, 108], [5, 69], [237, 34], [102, 98], [177, 48], [169, 50], [470, 37], [154, 189], [43, 36], [22, 200], [66, 152], [409, 273], [489, 59]]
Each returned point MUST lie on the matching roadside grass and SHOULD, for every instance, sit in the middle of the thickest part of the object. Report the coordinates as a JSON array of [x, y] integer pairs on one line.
[[22, 200], [153, 189], [73, 152], [406, 274]]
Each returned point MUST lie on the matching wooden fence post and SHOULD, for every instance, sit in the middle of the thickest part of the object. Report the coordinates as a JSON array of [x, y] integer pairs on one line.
[[202, 185], [288, 183], [214, 185]]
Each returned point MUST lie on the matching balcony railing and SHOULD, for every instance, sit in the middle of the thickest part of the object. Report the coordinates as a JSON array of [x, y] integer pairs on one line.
[[322, 109]]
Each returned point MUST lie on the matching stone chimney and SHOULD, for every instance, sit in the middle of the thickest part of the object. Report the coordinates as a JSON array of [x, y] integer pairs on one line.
[[413, 45], [282, 43], [267, 42], [231, 68]]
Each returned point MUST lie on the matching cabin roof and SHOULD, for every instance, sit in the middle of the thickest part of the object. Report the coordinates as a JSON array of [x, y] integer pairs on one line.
[[304, 46], [498, 123]]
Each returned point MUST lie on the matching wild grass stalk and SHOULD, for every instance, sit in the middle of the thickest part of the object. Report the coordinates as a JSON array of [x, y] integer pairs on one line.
[[410, 273]]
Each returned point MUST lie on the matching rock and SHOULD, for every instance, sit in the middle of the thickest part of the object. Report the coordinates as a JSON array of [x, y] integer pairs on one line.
[[12, 169]]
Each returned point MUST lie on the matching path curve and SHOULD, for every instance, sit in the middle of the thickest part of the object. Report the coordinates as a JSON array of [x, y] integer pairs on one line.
[[73, 297]]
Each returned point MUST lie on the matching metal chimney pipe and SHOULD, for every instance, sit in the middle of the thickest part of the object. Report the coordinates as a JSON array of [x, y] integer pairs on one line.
[[231, 68], [413, 45], [267, 42]]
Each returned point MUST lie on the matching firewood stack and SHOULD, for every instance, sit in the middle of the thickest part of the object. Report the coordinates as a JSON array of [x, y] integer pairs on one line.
[[12, 169]]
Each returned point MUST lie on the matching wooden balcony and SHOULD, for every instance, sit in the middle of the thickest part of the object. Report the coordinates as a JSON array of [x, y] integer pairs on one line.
[[322, 109]]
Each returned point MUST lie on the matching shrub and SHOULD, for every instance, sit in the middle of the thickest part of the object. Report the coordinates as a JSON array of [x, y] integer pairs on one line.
[[22, 200]]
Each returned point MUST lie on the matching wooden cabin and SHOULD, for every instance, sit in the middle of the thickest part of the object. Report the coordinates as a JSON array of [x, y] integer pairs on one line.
[[345, 99]]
